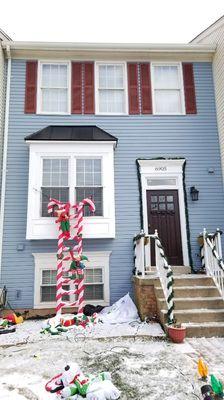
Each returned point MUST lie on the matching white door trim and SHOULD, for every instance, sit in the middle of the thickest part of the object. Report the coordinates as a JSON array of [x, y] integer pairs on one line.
[[171, 170]]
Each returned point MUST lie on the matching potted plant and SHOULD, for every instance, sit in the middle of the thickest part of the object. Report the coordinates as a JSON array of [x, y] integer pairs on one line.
[[176, 332]]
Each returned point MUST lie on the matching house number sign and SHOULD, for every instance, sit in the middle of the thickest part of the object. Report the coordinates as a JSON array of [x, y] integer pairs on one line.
[[160, 168]]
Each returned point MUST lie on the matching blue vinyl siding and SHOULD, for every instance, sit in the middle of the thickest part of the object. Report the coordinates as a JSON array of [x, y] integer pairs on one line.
[[191, 136]]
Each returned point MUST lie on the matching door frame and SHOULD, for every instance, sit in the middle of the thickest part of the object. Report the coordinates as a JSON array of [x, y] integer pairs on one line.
[[165, 169]]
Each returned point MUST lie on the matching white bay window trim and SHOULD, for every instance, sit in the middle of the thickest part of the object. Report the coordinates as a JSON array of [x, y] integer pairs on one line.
[[125, 86], [39, 84], [94, 227], [181, 87], [48, 261]]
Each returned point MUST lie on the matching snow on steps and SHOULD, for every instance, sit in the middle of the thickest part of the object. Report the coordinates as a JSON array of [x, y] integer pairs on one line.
[[198, 305]]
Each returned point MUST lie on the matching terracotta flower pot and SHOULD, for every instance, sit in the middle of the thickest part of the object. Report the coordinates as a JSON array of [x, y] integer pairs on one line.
[[176, 334]]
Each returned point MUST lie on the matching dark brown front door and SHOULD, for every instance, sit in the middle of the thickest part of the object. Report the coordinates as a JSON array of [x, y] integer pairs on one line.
[[164, 215]]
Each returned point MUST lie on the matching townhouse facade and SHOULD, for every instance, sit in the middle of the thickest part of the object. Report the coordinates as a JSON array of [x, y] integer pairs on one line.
[[133, 126]]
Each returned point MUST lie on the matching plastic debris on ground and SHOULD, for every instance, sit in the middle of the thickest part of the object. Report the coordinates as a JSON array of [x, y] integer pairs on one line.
[[73, 384]]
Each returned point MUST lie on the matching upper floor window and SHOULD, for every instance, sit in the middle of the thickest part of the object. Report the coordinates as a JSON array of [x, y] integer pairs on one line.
[[53, 88], [111, 88], [167, 89]]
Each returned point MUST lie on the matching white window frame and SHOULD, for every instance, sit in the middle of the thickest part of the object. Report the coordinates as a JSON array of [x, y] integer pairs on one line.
[[48, 261], [96, 69], [180, 76], [94, 227], [39, 80], [165, 169]]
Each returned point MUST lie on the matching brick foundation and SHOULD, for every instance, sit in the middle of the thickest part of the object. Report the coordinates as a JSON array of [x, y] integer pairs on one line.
[[145, 298]]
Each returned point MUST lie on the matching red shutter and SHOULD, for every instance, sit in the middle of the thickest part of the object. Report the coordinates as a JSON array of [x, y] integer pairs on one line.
[[133, 93], [76, 106], [89, 103], [31, 87], [146, 91], [189, 88]]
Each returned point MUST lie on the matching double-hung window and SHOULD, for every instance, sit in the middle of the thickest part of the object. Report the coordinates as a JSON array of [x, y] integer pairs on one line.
[[54, 88], [54, 182], [111, 88], [167, 89], [89, 183]]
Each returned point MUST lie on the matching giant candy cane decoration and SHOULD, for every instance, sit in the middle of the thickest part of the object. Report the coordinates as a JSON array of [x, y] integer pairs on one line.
[[61, 248]]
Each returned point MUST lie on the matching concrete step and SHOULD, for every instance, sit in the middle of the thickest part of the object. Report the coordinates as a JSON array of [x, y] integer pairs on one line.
[[190, 291], [177, 270], [193, 303], [206, 329], [195, 316], [193, 280]]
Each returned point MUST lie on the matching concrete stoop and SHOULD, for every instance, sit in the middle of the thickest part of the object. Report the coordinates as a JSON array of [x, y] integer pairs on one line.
[[198, 305]]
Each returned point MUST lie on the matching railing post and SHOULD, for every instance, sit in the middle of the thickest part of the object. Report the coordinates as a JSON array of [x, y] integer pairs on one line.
[[206, 257], [148, 252], [142, 247], [218, 243]]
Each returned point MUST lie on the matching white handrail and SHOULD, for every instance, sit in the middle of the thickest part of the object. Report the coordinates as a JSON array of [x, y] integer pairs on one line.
[[142, 259], [214, 264], [166, 277]]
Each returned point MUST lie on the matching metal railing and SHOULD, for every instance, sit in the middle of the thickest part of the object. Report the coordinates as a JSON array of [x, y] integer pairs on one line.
[[212, 252], [142, 259]]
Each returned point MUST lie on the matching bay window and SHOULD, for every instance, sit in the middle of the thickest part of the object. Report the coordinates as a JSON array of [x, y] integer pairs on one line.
[[53, 88], [111, 88], [167, 86], [69, 173]]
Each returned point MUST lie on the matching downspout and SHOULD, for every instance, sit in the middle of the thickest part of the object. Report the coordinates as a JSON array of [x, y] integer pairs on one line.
[[5, 149]]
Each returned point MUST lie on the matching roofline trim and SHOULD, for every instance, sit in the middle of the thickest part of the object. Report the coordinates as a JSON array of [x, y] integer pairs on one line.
[[110, 47], [209, 29]]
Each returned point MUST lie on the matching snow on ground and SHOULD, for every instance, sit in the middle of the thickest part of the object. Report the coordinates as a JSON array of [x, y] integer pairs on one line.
[[29, 331], [142, 367]]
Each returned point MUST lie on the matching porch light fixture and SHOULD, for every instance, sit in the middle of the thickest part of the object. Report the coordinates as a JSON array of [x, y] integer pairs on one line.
[[194, 193]]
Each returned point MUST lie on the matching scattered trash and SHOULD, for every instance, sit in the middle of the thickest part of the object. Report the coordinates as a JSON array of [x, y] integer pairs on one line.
[[6, 326], [72, 382], [124, 310]]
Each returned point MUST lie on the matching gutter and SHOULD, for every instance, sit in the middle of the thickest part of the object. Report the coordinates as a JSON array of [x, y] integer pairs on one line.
[[110, 47], [5, 149]]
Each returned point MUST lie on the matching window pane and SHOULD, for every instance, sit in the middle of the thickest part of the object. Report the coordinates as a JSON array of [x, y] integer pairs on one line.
[[49, 277], [93, 275], [55, 172], [111, 101], [54, 100], [61, 194], [111, 77], [94, 292], [166, 77], [54, 76], [96, 193], [48, 293], [167, 101], [161, 182], [88, 172]]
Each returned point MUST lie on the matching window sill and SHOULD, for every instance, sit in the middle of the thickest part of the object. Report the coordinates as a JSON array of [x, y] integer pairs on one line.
[[52, 113], [52, 304], [94, 228]]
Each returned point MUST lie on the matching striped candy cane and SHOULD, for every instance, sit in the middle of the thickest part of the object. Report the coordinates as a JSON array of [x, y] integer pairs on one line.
[[79, 233], [78, 238]]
